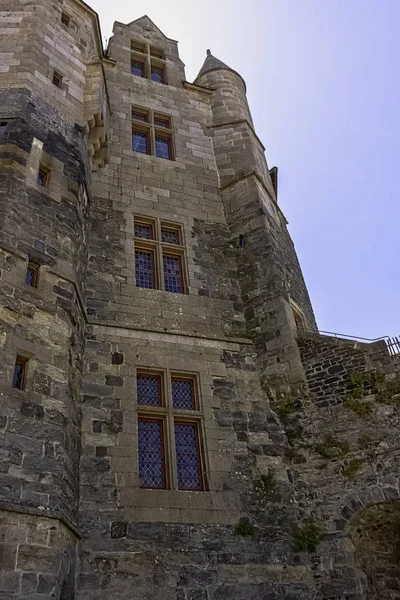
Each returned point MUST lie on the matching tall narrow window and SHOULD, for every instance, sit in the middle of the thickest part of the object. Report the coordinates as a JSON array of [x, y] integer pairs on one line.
[[145, 268], [32, 274], [19, 377], [188, 456], [151, 453], [173, 276], [43, 176]]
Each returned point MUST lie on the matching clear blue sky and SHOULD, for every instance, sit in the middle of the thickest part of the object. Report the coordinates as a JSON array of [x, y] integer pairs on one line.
[[324, 90]]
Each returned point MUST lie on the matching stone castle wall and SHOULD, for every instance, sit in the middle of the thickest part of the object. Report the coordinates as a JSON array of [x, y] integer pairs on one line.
[[297, 430]]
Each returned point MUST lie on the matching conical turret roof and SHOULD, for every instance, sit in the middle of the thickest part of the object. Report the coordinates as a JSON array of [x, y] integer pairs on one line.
[[212, 63]]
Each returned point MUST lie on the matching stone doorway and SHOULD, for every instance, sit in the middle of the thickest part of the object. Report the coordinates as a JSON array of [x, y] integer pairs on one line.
[[375, 534]]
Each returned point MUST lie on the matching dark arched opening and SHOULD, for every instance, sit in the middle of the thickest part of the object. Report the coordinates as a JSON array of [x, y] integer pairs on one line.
[[376, 537]]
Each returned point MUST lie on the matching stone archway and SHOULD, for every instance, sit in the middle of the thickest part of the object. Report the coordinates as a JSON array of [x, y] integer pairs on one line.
[[375, 534]]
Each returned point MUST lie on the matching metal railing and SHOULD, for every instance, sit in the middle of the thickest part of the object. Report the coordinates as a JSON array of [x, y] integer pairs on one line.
[[392, 343]]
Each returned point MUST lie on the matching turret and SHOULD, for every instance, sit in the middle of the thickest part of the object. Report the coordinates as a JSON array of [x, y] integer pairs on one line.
[[274, 294]]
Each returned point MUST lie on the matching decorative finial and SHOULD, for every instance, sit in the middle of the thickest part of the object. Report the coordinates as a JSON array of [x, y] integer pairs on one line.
[[208, 52]]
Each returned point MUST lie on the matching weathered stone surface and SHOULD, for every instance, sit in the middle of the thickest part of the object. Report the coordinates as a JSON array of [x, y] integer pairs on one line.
[[279, 440]]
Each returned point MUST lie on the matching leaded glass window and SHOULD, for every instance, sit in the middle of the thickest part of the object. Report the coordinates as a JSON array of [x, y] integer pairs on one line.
[[182, 393], [187, 456], [173, 273], [163, 147], [169, 236], [143, 230], [151, 453], [140, 141], [149, 390], [144, 268]]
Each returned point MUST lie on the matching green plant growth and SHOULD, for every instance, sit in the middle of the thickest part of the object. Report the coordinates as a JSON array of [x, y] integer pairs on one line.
[[360, 408], [391, 393], [333, 447], [286, 406], [306, 537], [353, 468], [364, 441], [360, 384], [245, 527], [266, 485]]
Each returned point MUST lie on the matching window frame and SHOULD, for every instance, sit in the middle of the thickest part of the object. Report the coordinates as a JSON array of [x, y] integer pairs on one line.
[[152, 57], [34, 267], [170, 417], [57, 79], [160, 249], [20, 360], [149, 126], [151, 249], [46, 176]]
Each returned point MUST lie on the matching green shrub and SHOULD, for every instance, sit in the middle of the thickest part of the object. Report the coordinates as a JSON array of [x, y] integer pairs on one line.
[[266, 485], [353, 468], [364, 441], [362, 409], [333, 447], [245, 527], [306, 537]]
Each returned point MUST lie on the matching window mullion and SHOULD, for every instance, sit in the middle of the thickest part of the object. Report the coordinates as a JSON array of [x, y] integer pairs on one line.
[[148, 63]]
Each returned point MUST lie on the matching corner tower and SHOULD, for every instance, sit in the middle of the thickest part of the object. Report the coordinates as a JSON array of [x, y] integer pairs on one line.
[[53, 134], [275, 298]]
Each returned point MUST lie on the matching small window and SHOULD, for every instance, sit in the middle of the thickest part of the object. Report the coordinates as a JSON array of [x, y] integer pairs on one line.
[[173, 275], [151, 453], [170, 235], [32, 274], [20, 368], [145, 268], [161, 121], [57, 79], [43, 176], [163, 147], [157, 74], [138, 68], [140, 141], [140, 115], [65, 19]]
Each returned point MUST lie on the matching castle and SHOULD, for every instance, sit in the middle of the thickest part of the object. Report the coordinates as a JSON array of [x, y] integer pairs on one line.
[[172, 424]]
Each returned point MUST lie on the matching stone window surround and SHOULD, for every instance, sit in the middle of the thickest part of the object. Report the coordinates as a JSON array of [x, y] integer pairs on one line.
[[298, 316], [149, 127], [169, 415], [160, 248], [150, 56]]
